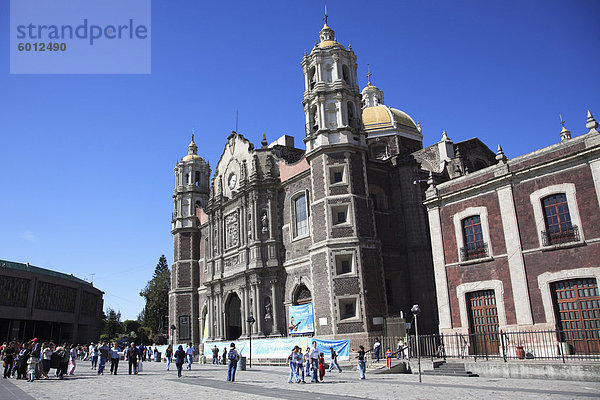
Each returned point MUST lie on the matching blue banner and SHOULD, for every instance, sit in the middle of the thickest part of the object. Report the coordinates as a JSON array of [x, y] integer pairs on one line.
[[281, 347], [301, 319]]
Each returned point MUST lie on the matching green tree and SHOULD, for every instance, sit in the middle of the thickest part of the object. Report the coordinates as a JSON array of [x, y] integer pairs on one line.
[[156, 293], [112, 324]]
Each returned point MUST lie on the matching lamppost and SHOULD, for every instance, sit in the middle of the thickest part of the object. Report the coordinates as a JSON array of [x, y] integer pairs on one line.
[[250, 321], [416, 311], [173, 327]]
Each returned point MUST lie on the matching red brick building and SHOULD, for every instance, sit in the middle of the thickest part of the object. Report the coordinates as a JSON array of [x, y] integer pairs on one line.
[[516, 245]]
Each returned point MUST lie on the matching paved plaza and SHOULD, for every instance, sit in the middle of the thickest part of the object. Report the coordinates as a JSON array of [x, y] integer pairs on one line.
[[271, 382]]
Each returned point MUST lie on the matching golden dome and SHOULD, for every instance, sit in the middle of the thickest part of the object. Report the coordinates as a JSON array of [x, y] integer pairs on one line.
[[192, 157], [383, 117], [369, 88]]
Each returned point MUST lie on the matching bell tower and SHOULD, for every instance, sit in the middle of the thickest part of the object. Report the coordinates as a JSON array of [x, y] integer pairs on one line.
[[345, 252], [331, 97], [192, 176]]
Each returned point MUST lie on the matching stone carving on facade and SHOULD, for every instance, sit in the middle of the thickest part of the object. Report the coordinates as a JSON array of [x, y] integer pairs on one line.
[[265, 222], [249, 225], [268, 308], [232, 230], [231, 261]]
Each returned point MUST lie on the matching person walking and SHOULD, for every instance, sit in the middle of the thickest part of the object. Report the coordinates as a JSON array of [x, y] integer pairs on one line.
[[293, 361], [104, 351], [300, 367], [46, 358], [63, 355], [334, 362], [376, 349], [314, 361], [215, 353], [307, 362], [114, 359], [190, 355], [34, 364], [94, 355], [224, 356], [22, 361], [72, 360], [169, 355], [388, 358], [233, 358], [8, 354], [361, 361], [321, 366], [150, 353], [180, 357], [132, 355]]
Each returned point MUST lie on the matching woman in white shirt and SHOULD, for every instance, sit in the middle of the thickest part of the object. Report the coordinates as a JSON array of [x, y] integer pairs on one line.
[[47, 349]]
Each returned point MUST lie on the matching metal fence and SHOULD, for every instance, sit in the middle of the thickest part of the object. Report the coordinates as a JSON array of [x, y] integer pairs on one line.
[[583, 344]]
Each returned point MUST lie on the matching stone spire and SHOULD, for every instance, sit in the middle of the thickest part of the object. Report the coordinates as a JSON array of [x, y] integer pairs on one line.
[[264, 142], [500, 156], [591, 124], [192, 148]]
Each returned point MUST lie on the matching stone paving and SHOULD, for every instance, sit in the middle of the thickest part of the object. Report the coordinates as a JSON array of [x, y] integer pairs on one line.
[[209, 381]]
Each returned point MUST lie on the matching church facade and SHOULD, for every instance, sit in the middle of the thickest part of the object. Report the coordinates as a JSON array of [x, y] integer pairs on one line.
[[339, 225]]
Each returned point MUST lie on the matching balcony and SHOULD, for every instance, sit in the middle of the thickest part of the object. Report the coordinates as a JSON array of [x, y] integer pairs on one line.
[[474, 251], [565, 236]]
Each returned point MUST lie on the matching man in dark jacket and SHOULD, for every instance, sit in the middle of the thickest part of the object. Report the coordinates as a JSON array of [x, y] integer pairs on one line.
[[132, 355]]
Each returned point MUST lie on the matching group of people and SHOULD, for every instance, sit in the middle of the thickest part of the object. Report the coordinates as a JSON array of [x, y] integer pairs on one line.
[[33, 360], [310, 363]]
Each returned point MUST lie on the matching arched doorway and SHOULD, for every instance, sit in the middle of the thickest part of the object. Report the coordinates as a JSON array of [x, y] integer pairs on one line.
[[302, 295], [233, 317]]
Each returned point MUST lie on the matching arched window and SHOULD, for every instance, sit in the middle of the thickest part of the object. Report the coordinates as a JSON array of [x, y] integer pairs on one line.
[[473, 238], [300, 216], [313, 119], [351, 114], [346, 74], [312, 78], [302, 295], [559, 228]]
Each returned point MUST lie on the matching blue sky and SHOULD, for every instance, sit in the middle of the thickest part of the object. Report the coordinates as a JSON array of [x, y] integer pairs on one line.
[[87, 160]]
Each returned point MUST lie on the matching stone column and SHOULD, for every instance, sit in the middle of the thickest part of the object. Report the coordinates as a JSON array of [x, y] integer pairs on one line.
[[221, 316], [439, 269], [211, 319], [270, 214], [259, 314], [247, 304], [274, 306], [244, 315]]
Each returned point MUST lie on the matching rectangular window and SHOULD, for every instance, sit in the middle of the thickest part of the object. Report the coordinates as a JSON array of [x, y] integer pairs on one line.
[[347, 308], [339, 214], [301, 216], [343, 264], [558, 221], [388, 292], [336, 175], [473, 237]]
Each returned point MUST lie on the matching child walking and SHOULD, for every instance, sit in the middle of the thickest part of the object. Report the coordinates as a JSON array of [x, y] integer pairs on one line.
[[388, 358], [321, 366]]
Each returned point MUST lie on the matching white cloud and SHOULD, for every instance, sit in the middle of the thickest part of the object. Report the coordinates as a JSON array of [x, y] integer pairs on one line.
[[27, 236]]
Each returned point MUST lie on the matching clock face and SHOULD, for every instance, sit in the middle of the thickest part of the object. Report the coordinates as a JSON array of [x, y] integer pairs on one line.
[[232, 180]]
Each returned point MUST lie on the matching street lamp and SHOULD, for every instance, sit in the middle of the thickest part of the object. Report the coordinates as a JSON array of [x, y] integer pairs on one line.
[[416, 311], [173, 327], [250, 321]]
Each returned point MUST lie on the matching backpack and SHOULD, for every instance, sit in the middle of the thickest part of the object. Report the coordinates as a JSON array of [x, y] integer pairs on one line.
[[232, 355]]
